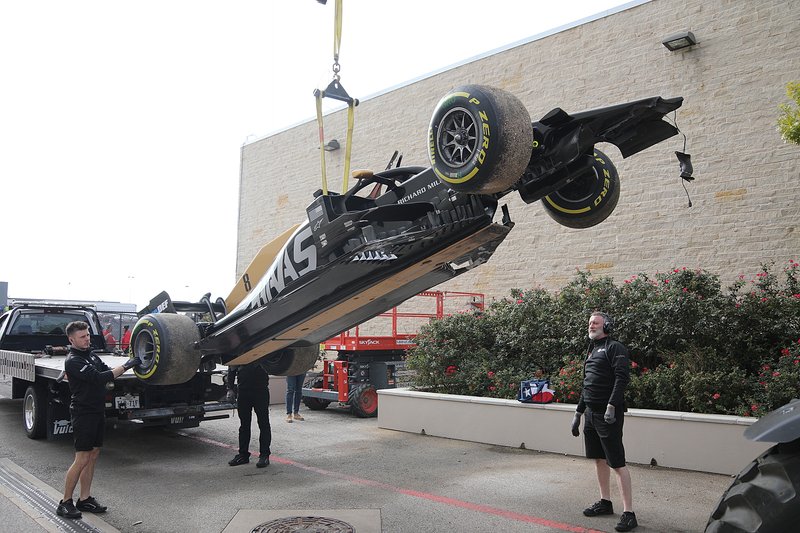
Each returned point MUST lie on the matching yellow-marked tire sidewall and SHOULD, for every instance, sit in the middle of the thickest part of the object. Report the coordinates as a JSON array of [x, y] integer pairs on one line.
[[501, 148], [590, 199]]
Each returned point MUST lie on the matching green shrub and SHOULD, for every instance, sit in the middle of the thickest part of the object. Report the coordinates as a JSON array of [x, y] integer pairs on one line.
[[693, 345]]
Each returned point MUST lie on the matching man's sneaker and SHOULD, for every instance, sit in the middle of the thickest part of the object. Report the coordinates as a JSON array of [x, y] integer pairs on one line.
[[298, 417], [67, 509], [240, 459], [627, 522], [90, 505], [289, 418], [263, 461], [599, 508]]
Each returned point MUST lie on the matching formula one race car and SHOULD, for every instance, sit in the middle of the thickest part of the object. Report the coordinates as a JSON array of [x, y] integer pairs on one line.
[[362, 252]]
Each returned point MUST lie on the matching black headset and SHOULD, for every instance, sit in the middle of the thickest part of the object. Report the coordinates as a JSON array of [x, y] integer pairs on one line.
[[608, 322]]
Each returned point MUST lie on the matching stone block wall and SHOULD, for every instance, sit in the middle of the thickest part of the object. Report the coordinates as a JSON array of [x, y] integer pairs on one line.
[[746, 199]]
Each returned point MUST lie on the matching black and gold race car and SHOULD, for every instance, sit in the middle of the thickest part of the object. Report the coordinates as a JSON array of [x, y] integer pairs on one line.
[[398, 232]]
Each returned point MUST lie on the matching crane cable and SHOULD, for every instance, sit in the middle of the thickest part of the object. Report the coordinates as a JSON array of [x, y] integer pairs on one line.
[[337, 92]]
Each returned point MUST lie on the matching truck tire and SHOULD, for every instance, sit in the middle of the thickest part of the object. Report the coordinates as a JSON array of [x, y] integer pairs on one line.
[[291, 361], [315, 404], [587, 200], [364, 401], [164, 342], [765, 496], [34, 412], [479, 139]]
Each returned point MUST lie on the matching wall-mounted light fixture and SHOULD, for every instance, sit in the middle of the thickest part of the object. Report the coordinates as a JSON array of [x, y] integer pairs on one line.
[[680, 40], [331, 145]]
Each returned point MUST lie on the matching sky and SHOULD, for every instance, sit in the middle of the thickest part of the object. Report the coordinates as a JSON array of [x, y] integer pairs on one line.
[[121, 123]]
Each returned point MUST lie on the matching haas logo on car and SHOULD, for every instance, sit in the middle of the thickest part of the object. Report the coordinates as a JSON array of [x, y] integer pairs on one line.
[[62, 427], [298, 257]]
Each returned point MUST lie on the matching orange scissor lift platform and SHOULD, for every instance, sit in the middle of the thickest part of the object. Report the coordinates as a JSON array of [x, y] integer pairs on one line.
[[367, 363]]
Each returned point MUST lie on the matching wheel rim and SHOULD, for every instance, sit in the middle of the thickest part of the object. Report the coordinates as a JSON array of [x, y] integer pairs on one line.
[[368, 401], [29, 410], [144, 347], [580, 189], [457, 138]]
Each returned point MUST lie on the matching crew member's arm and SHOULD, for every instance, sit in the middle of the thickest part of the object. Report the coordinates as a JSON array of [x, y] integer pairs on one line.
[[620, 364]]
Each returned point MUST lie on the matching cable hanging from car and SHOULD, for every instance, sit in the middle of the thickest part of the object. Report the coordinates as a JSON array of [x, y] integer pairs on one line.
[[335, 91]]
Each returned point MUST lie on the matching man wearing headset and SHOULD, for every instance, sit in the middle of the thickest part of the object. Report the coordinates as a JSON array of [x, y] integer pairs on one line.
[[606, 373]]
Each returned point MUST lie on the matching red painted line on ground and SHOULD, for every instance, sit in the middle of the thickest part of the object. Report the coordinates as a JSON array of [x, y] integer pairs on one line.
[[486, 509]]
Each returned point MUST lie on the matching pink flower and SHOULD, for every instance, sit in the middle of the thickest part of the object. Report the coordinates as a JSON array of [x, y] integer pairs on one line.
[[764, 299], [490, 374], [796, 296], [776, 374], [754, 407], [451, 370], [716, 396], [492, 388], [634, 364], [785, 352], [685, 289]]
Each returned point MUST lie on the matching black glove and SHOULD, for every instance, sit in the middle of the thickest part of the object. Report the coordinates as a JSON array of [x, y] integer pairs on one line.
[[131, 363], [609, 416], [576, 423]]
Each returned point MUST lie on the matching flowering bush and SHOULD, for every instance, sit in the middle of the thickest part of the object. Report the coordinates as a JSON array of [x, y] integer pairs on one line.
[[694, 346]]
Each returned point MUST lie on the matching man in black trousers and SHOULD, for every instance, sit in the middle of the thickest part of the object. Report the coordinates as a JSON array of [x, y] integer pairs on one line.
[[253, 395]]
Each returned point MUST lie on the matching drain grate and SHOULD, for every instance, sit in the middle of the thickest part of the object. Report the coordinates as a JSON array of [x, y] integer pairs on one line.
[[304, 524]]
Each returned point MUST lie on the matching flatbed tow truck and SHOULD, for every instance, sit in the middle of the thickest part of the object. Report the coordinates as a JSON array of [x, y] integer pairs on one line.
[[33, 347], [368, 363]]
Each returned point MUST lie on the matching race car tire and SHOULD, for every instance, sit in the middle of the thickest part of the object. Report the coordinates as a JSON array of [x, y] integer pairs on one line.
[[479, 139], [364, 401], [164, 342], [34, 412], [765, 496], [291, 361], [315, 404], [587, 200]]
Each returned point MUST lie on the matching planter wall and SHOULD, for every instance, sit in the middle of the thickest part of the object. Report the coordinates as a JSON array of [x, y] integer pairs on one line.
[[706, 443]]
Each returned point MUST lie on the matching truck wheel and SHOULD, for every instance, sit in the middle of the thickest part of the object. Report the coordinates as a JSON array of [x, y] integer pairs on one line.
[[364, 401], [34, 412], [291, 361], [164, 342], [479, 139], [315, 404], [765, 496], [587, 200]]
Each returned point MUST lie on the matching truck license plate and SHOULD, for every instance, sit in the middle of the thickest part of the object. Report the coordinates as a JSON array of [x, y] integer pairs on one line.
[[129, 401]]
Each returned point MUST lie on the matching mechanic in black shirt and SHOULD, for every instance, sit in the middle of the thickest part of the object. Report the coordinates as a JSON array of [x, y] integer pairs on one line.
[[606, 373], [88, 378], [253, 395]]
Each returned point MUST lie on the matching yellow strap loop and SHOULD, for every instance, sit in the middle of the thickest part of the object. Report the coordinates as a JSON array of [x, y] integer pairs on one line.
[[337, 30], [350, 120], [318, 95]]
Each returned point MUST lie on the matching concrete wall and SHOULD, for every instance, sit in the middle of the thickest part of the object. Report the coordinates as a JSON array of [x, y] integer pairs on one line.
[[706, 443], [747, 194]]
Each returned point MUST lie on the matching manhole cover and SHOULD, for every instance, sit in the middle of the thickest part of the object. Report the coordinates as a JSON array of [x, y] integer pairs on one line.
[[304, 524]]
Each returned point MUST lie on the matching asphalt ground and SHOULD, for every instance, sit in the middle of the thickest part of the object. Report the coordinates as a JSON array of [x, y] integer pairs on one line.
[[172, 481]]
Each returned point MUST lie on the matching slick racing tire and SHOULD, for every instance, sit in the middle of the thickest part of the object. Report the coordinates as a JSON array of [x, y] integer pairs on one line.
[[315, 404], [34, 412], [764, 497], [164, 342], [479, 139], [364, 401], [291, 361], [587, 200]]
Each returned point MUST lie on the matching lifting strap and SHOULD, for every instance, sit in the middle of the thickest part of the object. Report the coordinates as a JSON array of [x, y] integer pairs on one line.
[[336, 91]]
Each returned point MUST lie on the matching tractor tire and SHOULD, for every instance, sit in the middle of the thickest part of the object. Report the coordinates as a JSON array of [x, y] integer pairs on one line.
[[164, 342], [479, 139], [364, 401], [587, 200], [764, 497], [34, 412], [291, 361], [315, 404]]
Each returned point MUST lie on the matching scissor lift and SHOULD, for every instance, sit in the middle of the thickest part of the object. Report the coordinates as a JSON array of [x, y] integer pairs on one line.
[[368, 363]]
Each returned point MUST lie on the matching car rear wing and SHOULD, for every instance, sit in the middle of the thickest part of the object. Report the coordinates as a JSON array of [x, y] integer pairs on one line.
[[162, 303]]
